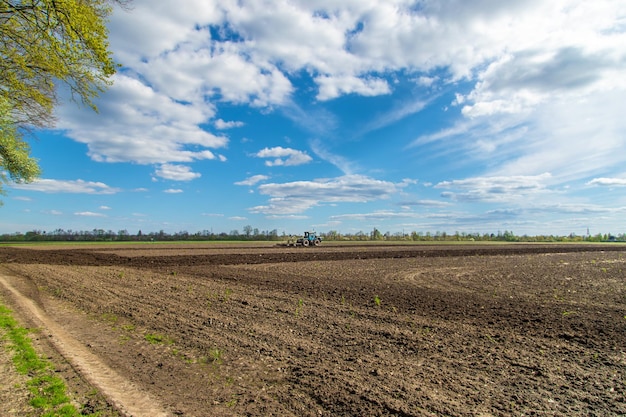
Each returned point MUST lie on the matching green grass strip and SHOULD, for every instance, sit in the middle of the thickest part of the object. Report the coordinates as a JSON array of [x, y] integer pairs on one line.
[[48, 392]]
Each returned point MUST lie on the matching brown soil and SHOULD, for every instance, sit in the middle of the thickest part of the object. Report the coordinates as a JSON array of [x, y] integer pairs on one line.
[[345, 330]]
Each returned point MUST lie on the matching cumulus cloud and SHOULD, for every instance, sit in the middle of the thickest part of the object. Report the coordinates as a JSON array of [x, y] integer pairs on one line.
[[173, 191], [540, 87], [176, 172], [67, 186], [279, 156], [221, 124], [334, 86], [138, 124], [519, 55]]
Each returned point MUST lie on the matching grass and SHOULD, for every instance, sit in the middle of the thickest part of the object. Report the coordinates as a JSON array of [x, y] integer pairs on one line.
[[216, 355], [157, 338], [48, 392]]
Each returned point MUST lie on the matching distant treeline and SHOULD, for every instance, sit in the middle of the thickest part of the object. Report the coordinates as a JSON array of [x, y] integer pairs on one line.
[[252, 234]]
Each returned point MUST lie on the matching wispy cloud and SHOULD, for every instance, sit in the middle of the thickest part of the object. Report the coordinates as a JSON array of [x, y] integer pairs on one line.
[[300, 196], [345, 165], [424, 203], [608, 182], [67, 186], [495, 189], [253, 180], [89, 214]]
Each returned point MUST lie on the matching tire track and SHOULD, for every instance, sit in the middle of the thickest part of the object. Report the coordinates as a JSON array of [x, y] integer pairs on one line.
[[127, 397]]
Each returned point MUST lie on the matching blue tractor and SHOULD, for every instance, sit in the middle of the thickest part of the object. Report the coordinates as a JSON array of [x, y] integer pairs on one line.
[[309, 239]]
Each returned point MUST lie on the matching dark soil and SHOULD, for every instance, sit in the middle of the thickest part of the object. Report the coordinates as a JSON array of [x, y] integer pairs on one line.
[[347, 331]]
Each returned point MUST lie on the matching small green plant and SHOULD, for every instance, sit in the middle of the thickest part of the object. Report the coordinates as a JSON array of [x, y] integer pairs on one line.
[[232, 402], [156, 338], [377, 300], [128, 327], [299, 307], [110, 317], [216, 355], [226, 296]]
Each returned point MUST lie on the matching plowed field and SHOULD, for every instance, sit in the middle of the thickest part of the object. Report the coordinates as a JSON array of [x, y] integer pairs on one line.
[[346, 330]]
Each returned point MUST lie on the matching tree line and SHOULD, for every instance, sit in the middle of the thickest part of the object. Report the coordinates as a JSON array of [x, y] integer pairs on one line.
[[250, 233]]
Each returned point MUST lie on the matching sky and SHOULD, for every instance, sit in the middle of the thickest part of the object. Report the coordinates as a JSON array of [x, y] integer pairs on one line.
[[401, 115]]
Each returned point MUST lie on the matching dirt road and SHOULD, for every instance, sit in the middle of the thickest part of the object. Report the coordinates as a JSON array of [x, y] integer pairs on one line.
[[344, 331]]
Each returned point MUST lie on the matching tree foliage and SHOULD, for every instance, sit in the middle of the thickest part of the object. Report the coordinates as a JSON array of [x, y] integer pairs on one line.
[[16, 164], [44, 43]]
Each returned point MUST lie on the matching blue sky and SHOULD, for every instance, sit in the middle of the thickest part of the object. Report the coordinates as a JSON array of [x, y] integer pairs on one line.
[[446, 115]]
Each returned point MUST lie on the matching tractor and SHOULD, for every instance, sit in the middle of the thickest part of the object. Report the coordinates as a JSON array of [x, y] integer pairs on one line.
[[309, 239]]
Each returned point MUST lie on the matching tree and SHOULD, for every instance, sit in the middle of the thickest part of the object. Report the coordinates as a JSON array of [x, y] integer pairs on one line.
[[16, 164], [43, 43], [376, 235]]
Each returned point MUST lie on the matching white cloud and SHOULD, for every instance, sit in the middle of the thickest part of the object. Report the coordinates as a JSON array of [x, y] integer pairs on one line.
[[255, 47], [67, 186], [138, 124], [176, 172], [89, 214], [173, 191], [608, 182], [280, 156], [541, 84], [221, 124], [299, 196], [255, 179], [334, 86], [104, 208], [518, 83], [346, 166], [495, 189], [381, 215], [425, 203]]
